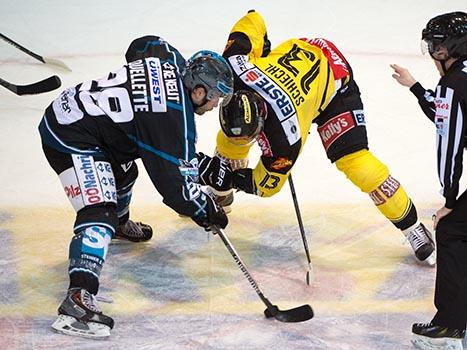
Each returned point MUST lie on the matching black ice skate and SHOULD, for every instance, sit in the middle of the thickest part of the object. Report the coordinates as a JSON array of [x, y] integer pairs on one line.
[[422, 244], [79, 315], [430, 336], [134, 232]]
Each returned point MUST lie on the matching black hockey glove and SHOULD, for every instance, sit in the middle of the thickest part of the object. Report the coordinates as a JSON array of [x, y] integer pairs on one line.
[[213, 214], [214, 172], [243, 180], [266, 46]]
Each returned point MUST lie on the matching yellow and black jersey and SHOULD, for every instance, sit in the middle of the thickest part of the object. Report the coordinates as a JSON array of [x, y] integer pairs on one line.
[[297, 79]]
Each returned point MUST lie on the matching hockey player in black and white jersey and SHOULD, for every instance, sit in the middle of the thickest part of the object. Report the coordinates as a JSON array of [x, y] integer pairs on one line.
[[445, 38], [91, 135]]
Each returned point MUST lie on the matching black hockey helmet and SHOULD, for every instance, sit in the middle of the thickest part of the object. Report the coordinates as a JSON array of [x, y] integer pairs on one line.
[[243, 116], [448, 30], [210, 71]]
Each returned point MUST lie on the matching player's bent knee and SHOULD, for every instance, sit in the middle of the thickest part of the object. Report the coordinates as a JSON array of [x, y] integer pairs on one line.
[[364, 170], [94, 228], [104, 215]]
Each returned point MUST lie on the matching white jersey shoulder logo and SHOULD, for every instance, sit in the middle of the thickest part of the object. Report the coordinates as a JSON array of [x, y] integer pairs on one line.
[[274, 95]]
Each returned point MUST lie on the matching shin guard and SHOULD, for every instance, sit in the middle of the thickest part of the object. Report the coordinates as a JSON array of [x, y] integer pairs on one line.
[[370, 175]]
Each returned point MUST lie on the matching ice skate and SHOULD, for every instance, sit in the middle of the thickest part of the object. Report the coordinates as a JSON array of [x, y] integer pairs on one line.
[[134, 232], [422, 243], [79, 315], [428, 336]]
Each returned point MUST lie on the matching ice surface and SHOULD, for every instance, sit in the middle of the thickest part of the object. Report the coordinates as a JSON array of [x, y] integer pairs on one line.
[[183, 290]]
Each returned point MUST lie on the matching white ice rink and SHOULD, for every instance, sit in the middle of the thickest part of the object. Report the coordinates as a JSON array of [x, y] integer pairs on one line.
[[182, 290]]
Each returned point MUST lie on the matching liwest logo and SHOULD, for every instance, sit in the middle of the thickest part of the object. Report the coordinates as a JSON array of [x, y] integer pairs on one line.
[[156, 88]]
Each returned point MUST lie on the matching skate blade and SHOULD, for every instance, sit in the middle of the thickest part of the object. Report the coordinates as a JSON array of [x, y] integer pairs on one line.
[[426, 343], [104, 298], [70, 326], [431, 260]]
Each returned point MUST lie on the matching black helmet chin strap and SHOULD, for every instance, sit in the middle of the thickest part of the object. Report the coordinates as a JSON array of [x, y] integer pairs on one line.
[[443, 62], [443, 65], [202, 103]]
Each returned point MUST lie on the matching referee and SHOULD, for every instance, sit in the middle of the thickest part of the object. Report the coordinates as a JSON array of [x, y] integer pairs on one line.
[[445, 38]]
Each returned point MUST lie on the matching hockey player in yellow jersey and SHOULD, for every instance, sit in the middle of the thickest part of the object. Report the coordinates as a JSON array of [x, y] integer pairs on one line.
[[279, 93]]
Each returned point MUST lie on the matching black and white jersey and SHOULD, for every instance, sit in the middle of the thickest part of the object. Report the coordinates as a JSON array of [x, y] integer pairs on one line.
[[141, 110], [446, 107]]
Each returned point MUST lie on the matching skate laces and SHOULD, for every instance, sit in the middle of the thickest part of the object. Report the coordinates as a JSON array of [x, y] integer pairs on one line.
[[418, 237], [87, 299], [133, 229]]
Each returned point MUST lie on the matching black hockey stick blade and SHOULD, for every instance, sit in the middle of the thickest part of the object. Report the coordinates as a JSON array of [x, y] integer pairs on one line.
[[297, 314], [46, 85], [40, 58]]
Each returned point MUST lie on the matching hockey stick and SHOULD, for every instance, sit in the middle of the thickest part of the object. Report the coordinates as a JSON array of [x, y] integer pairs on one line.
[[302, 230], [298, 314], [46, 85], [35, 55]]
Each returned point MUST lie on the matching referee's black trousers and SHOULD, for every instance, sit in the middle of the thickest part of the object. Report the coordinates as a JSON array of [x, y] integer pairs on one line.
[[451, 273]]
